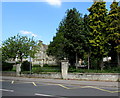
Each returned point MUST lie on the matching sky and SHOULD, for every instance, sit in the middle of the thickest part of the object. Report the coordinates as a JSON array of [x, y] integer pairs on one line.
[[38, 19]]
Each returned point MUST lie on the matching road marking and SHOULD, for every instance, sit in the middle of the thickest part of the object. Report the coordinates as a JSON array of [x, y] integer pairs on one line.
[[56, 84], [7, 90], [63, 86], [34, 84], [85, 87], [12, 82], [100, 89], [24, 82], [73, 87], [42, 95]]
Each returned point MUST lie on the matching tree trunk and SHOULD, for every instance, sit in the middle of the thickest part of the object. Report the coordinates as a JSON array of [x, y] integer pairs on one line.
[[118, 57], [76, 61], [21, 59], [88, 61], [101, 64], [76, 58]]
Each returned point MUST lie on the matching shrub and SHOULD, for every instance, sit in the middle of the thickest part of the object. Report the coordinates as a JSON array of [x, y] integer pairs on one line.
[[25, 66], [7, 66], [37, 70], [36, 65], [45, 65]]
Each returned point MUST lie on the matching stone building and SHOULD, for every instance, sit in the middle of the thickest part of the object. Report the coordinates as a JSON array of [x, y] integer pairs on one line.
[[42, 58]]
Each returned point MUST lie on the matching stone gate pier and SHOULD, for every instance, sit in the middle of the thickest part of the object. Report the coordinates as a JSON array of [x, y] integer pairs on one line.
[[64, 68]]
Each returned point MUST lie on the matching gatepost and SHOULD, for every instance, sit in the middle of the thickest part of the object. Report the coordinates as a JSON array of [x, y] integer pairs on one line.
[[64, 68], [18, 69]]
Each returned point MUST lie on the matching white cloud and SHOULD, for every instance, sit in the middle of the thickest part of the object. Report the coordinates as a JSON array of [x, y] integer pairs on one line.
[[54, 2], [25, 32], [34, 35], [28, 33]]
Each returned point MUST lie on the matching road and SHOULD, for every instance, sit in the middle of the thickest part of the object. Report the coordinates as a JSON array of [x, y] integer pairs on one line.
[[39, 88]]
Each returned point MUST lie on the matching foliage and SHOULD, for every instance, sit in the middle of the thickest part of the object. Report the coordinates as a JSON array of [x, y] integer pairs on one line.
[[90, 38], [25, 66], [68, 40], [87, 46], [18, 47], [7, 66], [97, 24], [36, 65], [113, 31], [55, 47], [46, 68], [14, 68], [73, 35], [113, 70], [36, 70]]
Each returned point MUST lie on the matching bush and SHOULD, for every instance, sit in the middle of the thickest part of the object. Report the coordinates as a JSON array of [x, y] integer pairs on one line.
[[36, 65], [25, 66], [45, 65], [79, 70], [7, 66], [50, 69], [37, 70]]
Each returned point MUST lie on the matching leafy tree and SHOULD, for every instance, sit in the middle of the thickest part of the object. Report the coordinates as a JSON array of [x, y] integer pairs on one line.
[[18, 47], [73, 35], [57, 45], [113, 29], [97, 24], [68, 40], [86, 33]]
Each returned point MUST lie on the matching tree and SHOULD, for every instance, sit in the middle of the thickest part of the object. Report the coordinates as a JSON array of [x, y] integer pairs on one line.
[[18, 47], [68, 40], [73, 35], [97, 24], [86, 33], [57, 45], [113, 31]]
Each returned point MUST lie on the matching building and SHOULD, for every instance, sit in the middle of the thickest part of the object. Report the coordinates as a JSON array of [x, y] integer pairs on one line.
[[41, 56]]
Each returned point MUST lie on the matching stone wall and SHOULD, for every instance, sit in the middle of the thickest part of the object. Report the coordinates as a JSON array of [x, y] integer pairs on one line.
[[7, 73], [95, 76], [79, 76], [44, 75]]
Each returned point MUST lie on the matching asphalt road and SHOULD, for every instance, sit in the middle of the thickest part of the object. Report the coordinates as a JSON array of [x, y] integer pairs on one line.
[[28, 88]]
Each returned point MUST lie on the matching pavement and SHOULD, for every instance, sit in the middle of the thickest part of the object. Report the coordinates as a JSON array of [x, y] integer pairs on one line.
[[61, 81]]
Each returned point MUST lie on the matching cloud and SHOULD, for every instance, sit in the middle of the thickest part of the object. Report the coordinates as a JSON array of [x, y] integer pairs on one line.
[[54, 2], [25, 32], [28, 33], [34, 35]]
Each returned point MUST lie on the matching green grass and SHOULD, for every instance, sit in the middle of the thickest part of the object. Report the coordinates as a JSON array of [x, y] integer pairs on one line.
[[45, 69]]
